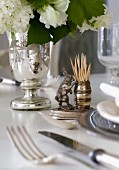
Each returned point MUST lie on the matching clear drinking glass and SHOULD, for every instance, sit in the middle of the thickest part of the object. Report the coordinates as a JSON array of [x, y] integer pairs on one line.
[[108, 50]]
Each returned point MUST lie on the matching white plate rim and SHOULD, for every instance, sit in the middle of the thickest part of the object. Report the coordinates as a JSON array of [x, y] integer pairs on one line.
[[104, 112]]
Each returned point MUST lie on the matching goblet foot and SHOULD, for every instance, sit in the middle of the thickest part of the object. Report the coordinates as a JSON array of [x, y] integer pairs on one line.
[[36, 103]]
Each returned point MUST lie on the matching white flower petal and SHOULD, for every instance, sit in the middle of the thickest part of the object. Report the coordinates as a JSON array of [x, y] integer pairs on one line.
[[61, 5], [85, 26], [51, 17]]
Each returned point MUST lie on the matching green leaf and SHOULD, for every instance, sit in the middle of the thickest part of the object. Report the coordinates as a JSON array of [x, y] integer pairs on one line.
[[37, 33], [38, 3], [59, 33], [72, 26], [84, 9]]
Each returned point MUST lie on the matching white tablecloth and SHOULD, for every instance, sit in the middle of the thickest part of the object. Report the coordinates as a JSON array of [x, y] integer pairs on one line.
[[10, 159]]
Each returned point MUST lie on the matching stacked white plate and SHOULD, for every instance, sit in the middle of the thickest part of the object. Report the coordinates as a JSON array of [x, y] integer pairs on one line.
[[109, 109]]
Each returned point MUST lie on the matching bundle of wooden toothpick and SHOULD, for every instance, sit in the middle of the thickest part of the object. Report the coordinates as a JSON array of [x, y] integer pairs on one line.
[[80, 69]]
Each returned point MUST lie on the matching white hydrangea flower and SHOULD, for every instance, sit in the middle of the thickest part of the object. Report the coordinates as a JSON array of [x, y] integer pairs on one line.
[[103, 20], [21, 18], [61, 5], [85, 26], [5, 9], [14, 16], [51, 17]]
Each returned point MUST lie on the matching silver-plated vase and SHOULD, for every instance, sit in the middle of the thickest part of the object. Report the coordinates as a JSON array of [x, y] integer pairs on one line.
[[29, 66]]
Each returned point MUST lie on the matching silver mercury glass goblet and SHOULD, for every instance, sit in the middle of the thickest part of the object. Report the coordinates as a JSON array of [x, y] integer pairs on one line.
[[30, 65]]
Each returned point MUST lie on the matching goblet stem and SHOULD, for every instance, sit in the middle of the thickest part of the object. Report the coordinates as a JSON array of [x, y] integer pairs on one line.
[[30, 100], [114, 80], [30, 93]]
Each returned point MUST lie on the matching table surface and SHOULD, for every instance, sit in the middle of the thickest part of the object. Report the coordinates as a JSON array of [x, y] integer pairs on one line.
[[10, 159]]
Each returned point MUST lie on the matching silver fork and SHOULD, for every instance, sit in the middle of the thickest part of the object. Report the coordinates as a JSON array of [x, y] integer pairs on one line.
[[30, 151], [27, 148]]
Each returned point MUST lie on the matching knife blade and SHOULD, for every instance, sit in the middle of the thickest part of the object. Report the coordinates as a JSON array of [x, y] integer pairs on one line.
[[91, 157]]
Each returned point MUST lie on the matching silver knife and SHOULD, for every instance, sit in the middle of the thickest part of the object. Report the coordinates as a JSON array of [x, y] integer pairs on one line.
[[90, 157]]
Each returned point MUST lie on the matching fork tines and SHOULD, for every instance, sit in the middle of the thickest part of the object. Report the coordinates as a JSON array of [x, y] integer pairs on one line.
[[24, 143]]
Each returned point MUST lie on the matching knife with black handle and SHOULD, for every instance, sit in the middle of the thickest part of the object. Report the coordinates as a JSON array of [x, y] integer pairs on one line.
[[97, 156]]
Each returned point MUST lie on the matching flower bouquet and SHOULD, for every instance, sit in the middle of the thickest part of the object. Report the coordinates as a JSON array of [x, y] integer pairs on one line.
[[51, 20]]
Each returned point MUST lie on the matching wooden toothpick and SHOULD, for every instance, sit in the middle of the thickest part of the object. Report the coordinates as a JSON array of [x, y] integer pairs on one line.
[[80, 69]]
